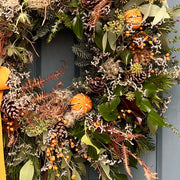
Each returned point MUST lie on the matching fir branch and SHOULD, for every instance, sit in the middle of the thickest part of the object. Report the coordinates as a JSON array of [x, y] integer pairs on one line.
[[168, 125]]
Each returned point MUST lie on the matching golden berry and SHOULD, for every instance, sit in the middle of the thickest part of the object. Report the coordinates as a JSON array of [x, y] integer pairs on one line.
[[167, 58], [50, 167], [47, 154], [57, 175], [127, 34], [119, 117], [85, 156], [60, 150], [76, 149], [7, 127], [61, 155], [73, 176], [114, 122], [124, 114], [122, 110], [11, 129], [67, 157], [167, 54], [129, 111], [59, 119], [65, 122], [53, 158]]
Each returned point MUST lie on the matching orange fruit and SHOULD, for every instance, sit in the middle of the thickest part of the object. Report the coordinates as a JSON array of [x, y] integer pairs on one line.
[[81, 102], [134, 18]]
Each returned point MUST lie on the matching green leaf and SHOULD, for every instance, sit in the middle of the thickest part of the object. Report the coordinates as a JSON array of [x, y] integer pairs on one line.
[[106, 169], [161, 14], [82, 168], [102, 137], [131, 3], [152, 128], [27, 171], [92, 153], [73, 3], [155, 119], [126, 56], [112, 37], [104, 41], [109, 110], [78, 130], [145, 105], [138, 96], [149, 89], [77, 27], [78, 177], [85, 139], [120, 177], [119, 91]]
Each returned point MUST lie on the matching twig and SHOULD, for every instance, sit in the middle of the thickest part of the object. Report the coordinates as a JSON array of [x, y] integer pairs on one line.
[[31, 45]]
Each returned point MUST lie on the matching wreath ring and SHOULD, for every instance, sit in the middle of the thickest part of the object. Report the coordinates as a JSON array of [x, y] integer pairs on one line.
[[107, 115]]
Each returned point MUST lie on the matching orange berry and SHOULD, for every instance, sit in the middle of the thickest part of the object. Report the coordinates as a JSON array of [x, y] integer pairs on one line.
[[98, 123], [70, 140], [140, 28], [145, 38], [152, 54], [127, 34], [7, 127], [57, 175], [11, 129], [55, 167], [22, 114], [47, 154], [152, 71], [48, 150], [129, 111], [150, 42], [114, 122], [59, 119], [151, 57], [85, 156], [10, 123], [154, 38], [119, 117], [122, 110], [167, 54], [76, 149], [167, 58], [124, 114], [60, 150], [73, 176]]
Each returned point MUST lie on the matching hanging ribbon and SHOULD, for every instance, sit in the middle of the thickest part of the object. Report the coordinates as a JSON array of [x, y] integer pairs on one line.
[[4, 74]]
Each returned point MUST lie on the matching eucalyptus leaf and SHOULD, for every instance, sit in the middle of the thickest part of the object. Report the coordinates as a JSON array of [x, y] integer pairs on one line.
[[1, 60], [161, 14], [106, 169], [85, 139], [104, 41], [27, 171], [77, 27], [149, 10], [112, 38]]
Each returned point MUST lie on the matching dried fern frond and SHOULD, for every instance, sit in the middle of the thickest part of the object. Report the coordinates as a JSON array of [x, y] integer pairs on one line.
[[38, 82], [126, 159]]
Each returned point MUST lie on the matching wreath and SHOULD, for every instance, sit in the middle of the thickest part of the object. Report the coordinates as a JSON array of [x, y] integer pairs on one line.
[[108, 114]]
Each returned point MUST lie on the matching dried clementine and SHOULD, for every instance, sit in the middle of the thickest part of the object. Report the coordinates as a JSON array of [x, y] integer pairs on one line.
[[81, 102], [133, 17]]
